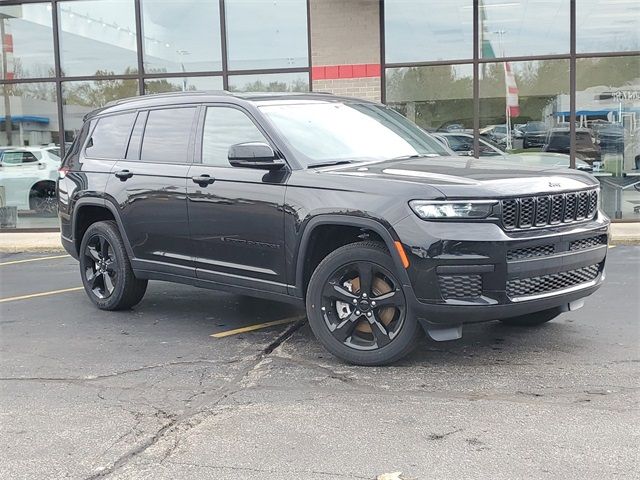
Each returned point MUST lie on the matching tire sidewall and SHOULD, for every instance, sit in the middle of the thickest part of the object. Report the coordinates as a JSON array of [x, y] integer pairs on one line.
[[107, 230], [399, 346]]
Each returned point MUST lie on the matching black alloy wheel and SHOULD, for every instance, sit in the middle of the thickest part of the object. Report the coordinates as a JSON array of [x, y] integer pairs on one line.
[[106, 271], [363, 306], [357, 307], [100, 266]]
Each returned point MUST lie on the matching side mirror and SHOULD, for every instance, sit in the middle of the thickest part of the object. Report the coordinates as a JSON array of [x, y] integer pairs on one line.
[[254, 155]]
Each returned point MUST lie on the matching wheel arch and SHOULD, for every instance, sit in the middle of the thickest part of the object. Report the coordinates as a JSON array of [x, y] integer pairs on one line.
[[110, 213], [385, 234]]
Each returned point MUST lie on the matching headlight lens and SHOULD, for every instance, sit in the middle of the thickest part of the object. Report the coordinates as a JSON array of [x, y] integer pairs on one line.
[[430, 210]]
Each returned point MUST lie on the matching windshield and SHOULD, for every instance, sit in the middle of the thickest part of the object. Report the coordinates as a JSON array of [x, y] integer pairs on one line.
[[320, 131]]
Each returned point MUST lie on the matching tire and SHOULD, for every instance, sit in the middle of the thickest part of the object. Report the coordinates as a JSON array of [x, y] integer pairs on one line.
[[44, 201], [532, 319], [106, 270], [378, 329]]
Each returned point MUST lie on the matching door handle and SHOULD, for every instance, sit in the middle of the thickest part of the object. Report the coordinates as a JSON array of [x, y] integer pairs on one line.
[[124, 175], [203, 180]]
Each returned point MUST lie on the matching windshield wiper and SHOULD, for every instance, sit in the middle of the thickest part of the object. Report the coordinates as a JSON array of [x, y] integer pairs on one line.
[[416, 155], [329, 164]]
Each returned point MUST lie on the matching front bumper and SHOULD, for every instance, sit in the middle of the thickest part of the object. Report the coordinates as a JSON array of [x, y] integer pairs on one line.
[[470, 272]]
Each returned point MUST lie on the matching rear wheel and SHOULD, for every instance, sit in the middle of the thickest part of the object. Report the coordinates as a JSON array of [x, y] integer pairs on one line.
[[532, 319], [43, 201], [357, 309], [106, 271]]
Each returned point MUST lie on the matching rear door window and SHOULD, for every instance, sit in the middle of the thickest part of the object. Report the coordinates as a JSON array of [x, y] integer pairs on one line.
[[110, 137], [166, 135], [18, 158]]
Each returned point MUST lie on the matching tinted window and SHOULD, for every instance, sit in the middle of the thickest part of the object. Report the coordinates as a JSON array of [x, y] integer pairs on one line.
[[166, 136], [224, 127], [110, 137]]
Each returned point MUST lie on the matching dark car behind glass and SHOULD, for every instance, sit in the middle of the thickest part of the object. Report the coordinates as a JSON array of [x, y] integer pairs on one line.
[[558, 141]]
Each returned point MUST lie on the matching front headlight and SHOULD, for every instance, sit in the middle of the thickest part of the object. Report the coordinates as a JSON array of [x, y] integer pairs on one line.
[[434, 210]]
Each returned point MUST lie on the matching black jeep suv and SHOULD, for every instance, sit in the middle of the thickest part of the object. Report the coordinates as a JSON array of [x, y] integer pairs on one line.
[[338, 204]]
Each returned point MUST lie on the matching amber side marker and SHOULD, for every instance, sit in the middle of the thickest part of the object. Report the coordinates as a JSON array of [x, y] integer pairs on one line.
[[403, 256]]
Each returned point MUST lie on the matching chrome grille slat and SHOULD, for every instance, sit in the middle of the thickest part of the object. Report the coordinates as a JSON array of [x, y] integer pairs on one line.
[[544, 210]]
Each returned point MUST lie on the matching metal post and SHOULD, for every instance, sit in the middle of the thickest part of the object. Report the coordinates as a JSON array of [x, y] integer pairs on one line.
[[8, 124], [572, 85], [476, 81]]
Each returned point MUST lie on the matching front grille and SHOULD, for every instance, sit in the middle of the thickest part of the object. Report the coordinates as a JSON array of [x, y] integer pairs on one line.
[[460, 286], [541, 211], [530, 252], [590, 242], [523, 287]]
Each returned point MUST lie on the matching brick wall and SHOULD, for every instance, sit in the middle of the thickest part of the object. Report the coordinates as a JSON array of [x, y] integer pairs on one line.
[[345, 39]]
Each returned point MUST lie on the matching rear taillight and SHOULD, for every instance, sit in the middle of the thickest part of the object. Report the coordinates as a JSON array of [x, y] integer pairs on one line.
[[62, 172]]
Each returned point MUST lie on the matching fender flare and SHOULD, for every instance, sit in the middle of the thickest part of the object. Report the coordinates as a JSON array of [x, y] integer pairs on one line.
[[101, 202], [374, 225]]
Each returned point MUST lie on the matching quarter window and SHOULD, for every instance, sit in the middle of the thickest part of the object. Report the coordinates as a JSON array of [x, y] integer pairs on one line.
[[224, 127], [166, 136], [109, 138]]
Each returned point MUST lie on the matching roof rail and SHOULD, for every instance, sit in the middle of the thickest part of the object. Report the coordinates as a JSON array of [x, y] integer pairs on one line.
[[167, 94]]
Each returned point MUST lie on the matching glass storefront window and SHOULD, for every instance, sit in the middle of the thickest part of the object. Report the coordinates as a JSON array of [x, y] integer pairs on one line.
[[608, 107], [266, 34], [438, 98], [80, 98], [181, 36], [419, 31], [276, 82], [29, 155], [607, 25], [535, 95], [186, 84], [27, 49], [97, 37], [533, 27]]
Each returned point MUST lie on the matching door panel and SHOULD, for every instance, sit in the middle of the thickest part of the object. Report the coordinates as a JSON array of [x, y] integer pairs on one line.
[[236, 225], [153, 209]]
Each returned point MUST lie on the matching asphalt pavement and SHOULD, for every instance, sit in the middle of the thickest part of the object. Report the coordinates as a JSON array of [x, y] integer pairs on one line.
[[198, 384]]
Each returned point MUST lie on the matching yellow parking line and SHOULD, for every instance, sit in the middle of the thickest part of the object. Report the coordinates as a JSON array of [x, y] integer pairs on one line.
[[42, 294], [612, 246], [258, 326], [14, 262]]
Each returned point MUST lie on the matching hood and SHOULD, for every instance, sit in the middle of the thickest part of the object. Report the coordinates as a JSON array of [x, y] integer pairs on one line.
[[465, 177]]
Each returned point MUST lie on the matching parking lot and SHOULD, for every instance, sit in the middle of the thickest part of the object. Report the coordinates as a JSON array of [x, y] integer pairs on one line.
[[150, 393]]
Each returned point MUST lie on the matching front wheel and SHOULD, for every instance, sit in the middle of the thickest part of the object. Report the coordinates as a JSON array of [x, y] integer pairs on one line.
[[357, 309], [106, 271], [532, 319]]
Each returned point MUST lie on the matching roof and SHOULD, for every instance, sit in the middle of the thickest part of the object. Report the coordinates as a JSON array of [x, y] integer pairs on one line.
[[198, 96]]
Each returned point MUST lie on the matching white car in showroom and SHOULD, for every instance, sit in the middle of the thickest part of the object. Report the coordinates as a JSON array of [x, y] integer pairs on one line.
[[28, 175]]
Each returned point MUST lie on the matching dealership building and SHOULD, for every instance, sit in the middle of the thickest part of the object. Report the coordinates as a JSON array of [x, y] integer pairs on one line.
[[489, 70]]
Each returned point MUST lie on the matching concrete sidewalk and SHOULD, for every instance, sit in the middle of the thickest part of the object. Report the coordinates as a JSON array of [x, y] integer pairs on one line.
[[621, 234]]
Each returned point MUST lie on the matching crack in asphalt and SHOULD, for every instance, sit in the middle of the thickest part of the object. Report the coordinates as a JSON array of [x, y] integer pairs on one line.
[[94, 378], [271, 471], [188, 419]]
